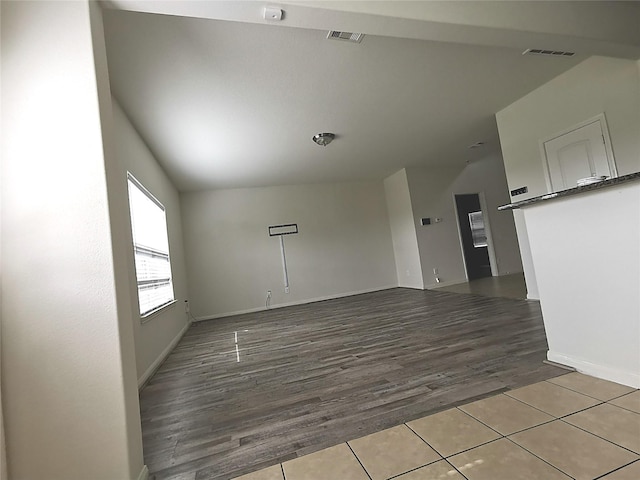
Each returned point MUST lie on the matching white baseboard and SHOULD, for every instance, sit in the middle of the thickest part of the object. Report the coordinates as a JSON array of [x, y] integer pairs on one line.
[[144, 473], [289, 304], [164, 354], [630, 379], [435, 286]]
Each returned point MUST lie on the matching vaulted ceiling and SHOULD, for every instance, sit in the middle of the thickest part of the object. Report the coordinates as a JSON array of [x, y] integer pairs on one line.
[[226, 99]]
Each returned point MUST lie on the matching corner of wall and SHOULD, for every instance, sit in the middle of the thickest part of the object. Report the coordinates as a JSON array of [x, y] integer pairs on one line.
[[154, 339], [403, 230]]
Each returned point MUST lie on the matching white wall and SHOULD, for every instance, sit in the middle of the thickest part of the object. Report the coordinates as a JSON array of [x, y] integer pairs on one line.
[[161, 331], [403, 231], [527, 262], [344, 245], [438, 243], [587, 260], [68, 364], [432, 195], [597, 85]]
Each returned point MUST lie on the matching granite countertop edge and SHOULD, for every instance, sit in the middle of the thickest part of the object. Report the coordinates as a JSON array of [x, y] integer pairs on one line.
[[572, 191]]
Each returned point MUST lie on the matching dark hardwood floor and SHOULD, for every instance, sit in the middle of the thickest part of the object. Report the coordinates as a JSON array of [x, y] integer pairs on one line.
[[316, 375]]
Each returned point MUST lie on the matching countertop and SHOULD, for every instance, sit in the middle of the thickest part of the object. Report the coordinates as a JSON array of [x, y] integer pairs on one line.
[[572, 191]]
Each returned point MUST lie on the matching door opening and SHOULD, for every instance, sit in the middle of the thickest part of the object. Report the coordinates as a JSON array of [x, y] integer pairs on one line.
[[473, 236]]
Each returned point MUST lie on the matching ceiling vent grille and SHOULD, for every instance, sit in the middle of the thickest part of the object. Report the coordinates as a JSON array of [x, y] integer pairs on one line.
[[551, 53], [346, 36]]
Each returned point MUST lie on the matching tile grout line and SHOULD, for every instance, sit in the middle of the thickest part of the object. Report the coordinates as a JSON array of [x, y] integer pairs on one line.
[[442, 459], [366, 472], [582, 393], [520, 431], [624, 408], [598, 436], [427, 443], [554, 416], [553, 419], [480, 421], [457, 453], [471, 448], [619, 468], [456, 469], [539, 458], [431, 447]]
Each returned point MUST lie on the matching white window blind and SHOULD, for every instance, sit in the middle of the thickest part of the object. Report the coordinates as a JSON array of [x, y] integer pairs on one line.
[[151, 249]]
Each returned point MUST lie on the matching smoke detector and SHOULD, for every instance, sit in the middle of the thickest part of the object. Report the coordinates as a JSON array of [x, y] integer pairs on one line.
[[272, 14]]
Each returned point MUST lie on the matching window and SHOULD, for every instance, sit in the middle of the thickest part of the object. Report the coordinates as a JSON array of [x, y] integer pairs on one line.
[[151, 249]]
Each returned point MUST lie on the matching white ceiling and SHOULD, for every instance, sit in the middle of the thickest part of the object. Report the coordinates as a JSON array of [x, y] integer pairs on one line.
[[233, 104]]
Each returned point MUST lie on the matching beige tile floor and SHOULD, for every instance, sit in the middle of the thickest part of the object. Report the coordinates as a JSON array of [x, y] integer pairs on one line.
[[570, 427]]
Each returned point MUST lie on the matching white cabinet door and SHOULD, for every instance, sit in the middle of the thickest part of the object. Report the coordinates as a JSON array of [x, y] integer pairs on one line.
[[577, 154]]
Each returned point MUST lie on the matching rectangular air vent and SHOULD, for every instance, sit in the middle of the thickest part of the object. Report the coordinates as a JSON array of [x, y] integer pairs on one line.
[[552, 53], [347, 36]]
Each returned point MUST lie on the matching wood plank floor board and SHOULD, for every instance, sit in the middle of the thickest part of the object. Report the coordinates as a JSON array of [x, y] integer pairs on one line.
[[312, 376]]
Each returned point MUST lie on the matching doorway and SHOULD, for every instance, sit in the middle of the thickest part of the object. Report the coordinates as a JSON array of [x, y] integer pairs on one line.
[[473, 236]]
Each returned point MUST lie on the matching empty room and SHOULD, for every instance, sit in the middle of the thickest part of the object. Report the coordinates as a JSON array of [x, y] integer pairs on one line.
[[320, 240]]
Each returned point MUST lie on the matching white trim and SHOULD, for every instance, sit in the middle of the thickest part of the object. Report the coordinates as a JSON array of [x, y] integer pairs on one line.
[[607, 147], [163, 355], [460, 242], [299, 302], [148, 316], [436, 286], [532, 297], [630, 379], [414, 287], [493, 260], [144, 473]]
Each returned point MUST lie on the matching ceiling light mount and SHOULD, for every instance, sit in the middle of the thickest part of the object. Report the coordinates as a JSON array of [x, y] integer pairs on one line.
[[324, 139]]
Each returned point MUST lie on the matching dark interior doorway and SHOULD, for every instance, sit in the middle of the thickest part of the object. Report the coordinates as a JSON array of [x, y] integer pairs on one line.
[[473, 235]]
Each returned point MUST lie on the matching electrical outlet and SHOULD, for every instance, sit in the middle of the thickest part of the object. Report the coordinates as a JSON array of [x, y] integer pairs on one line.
[[435, 271], [186, 306], [268, 293], [519, 191], [286, 289]]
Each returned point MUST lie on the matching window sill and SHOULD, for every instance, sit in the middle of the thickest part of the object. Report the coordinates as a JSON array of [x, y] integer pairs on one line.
[[153, 313]]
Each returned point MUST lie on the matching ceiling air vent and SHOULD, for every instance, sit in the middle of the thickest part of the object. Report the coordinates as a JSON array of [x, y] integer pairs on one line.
[[347, 36], [552, 53]]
